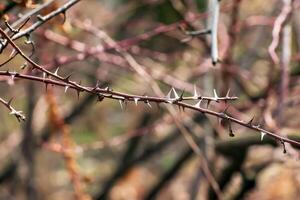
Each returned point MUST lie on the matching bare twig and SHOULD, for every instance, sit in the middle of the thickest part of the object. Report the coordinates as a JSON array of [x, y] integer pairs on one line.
[[18, 114]]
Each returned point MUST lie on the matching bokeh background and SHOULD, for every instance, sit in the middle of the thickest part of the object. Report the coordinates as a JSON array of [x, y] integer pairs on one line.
[[75, 147]]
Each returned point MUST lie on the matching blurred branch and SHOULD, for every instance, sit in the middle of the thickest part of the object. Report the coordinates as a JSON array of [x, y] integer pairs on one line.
[[170, 174], [278, 24], [67, 152], [28, 146]]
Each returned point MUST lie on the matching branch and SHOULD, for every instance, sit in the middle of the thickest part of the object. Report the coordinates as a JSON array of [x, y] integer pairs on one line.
[[43, 19], [18, 114]]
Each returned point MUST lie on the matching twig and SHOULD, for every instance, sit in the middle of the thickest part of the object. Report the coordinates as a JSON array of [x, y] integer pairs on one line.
[[43, 19], [18, 114], [26, 16]]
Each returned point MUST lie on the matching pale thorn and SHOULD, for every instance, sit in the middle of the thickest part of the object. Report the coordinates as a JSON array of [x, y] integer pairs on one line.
[[136, 101], [149, 104], [262, 135], [56, 71], [175, 93], [169, 94], [44, 75], [14, 112], [215, 95], [195, 93], [66, 88], [227, 94], [12, 53], [198, 105], [12, 78], [121, 104]]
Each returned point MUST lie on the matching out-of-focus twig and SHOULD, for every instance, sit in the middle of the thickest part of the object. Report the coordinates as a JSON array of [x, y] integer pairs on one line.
[[67, 144], [277, 28]]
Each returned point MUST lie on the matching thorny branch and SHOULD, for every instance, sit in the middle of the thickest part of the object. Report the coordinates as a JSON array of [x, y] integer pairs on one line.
[[122, 97], [16, 113]]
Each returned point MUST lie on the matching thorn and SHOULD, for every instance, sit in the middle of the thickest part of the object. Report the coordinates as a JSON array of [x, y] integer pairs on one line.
[[175, 93], [195, 93], [250, 122], [257, 126], [24, 65], [169, 94], [136, 100], [147, 102], [179, 107], [40, 17], [230, 130], [44, 75], [283, 145], [181, 95], [227, 94], [66, 88], [125, 103], [186, 39], [67, 78], [56, 71], [121, 104], [65, 17], [262, 135], [9, 102], [100, 97], [220, 121], [12, 53], [12, 78], [78, 94], [208, 102], [96, 86], [198, 105], [107, 89], [216, 98]]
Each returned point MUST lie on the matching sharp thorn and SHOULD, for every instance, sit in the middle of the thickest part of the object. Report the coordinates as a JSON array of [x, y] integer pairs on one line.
[[56, 71], [195, 93], [66, 88], [262, 135], [208, 102], [227, 94], [198, 105], [216, 97], [175, 93], [136, 101], [250, 122], [121, 104]]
